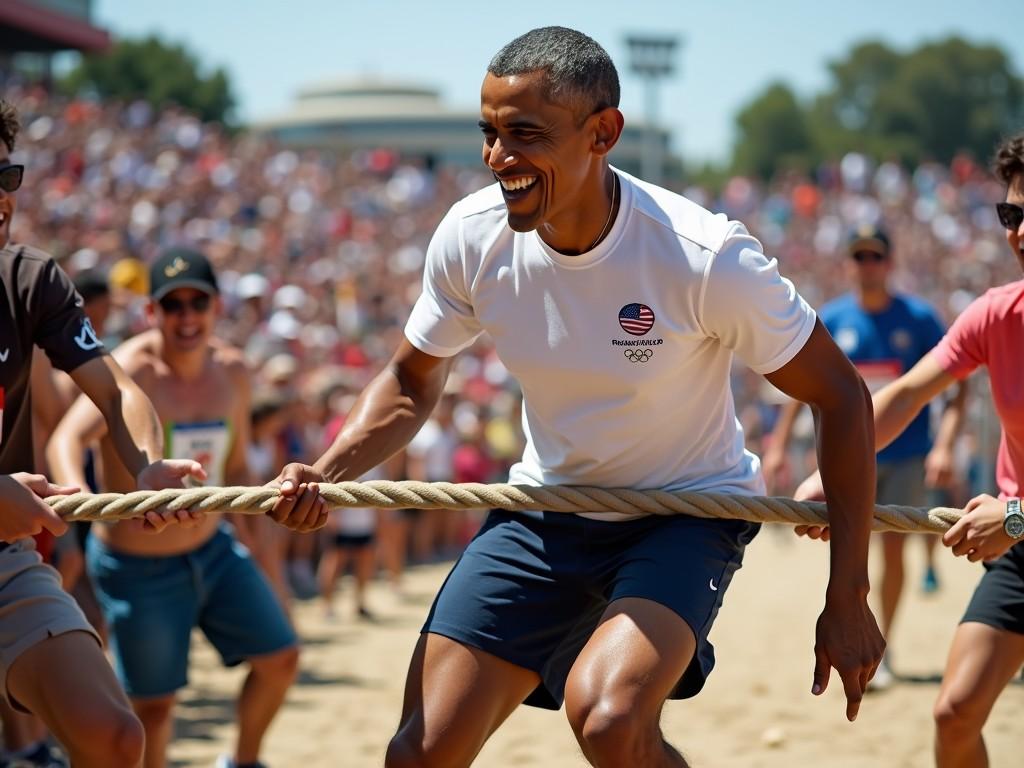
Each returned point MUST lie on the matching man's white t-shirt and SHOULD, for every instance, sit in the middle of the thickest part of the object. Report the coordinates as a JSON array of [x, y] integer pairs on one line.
[[623, 353]]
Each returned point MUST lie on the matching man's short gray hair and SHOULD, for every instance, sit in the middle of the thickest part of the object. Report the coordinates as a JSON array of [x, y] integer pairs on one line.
[[578, 71]]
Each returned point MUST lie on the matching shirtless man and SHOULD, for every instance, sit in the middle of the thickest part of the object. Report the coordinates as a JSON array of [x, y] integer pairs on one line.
[[155, 589]]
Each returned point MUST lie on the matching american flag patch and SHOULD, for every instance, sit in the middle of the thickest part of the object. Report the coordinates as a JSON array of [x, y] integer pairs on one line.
[[636, 319]]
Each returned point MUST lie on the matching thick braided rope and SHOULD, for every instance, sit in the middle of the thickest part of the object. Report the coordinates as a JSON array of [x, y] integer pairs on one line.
[[555, 498]]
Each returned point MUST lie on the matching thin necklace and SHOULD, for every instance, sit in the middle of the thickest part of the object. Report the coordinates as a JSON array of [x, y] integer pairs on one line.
[[611, 210]]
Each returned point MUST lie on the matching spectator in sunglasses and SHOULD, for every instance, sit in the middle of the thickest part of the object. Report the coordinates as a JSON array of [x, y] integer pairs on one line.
[[200, 388], [988, 646], [885, 333], [51, 662]]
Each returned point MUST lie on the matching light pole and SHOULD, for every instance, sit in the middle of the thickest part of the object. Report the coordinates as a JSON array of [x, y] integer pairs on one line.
[[652, 58]]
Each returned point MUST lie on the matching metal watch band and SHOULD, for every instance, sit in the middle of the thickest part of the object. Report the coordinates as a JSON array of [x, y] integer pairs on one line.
[[1013, 509]]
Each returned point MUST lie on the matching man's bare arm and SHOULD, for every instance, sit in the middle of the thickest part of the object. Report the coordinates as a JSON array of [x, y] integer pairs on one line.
[[847, 635], [81, 426], [385, 417], [131, 420], [898, 404], [236, 469]]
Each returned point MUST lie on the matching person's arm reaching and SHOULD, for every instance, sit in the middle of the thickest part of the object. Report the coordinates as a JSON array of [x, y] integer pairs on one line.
[[938, 464], [385, 417], [236, 465], [895, 406], [132, 423], [81, 426], [979, 533], [847, 634], [774, 460]]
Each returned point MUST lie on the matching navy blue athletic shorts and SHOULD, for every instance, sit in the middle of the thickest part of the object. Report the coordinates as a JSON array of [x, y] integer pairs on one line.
[[998, 600], [531, 587]]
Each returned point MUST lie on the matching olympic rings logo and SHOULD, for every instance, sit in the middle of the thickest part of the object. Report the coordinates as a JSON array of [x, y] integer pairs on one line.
[[638, 355]]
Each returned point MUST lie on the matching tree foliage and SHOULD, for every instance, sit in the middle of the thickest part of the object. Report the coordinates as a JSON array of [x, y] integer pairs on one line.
[[159, 72], [780, 125], [933, 102]]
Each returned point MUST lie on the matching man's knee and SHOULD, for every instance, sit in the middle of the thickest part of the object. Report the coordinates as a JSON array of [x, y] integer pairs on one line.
[[113, 738], [280, 667], [957, 716], [424, 751], [612, 729], [402, 754], [127, 740]]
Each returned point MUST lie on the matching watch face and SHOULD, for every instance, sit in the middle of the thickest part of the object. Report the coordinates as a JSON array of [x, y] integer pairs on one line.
[[1014, 526]]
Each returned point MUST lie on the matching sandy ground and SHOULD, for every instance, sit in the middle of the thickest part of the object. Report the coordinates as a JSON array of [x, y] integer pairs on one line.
[[755, 712]]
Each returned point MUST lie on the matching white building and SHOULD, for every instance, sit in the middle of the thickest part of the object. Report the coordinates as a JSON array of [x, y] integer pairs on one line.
[[411, 119]]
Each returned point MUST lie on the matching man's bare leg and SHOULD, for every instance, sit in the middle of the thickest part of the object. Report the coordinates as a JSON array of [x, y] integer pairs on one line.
[[455, 698], [263, 693], [620, 681], [67, 681], [982, 660]]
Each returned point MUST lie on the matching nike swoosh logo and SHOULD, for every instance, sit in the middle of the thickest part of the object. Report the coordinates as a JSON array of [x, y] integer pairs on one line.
[[711, 583], [5, 355]]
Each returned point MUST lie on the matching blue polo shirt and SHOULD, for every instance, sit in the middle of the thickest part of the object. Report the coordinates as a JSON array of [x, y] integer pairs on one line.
[[883, 346]]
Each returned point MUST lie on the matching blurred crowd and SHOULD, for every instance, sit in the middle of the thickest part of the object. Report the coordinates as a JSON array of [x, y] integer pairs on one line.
[[320, 256]]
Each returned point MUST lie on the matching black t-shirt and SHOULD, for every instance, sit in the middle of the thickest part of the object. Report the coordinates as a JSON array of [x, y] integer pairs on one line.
[[38, 307]]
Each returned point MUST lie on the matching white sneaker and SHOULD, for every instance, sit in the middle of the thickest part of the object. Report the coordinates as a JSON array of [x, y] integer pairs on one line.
[[883, 679]]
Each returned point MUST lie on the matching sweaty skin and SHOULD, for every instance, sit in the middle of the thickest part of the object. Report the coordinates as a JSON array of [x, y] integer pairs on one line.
[[218, 392]]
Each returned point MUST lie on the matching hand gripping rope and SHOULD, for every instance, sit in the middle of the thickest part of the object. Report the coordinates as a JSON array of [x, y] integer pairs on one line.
[[554, 498]]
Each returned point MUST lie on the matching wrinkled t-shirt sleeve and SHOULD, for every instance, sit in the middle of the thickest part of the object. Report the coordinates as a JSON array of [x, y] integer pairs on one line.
[[964, 347], [61, 328], [750, 308], [442, 322]]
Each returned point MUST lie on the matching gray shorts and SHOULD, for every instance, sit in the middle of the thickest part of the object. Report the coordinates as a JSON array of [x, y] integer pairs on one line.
[[901, 482], [33, 607]]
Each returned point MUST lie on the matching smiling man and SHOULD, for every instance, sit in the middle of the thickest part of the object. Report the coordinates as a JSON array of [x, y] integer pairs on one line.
[[154, 589], [51, 663], [619, 307]]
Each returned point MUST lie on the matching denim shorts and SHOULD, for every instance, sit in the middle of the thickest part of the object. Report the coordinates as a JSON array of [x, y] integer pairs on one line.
[[532, 586], [152, 603]]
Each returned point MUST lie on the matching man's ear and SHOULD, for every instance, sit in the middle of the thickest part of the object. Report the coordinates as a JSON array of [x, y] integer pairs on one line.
[[607, 127]]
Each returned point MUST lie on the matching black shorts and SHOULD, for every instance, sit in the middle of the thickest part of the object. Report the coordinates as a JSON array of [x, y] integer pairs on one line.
[[531, 586], [352, 541], [998, 600]]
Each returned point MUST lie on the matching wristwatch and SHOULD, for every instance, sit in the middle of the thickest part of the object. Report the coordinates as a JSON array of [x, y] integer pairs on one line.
[[1013, 523]]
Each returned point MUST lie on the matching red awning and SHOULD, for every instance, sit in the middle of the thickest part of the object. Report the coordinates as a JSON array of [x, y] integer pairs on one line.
[[46, 29]]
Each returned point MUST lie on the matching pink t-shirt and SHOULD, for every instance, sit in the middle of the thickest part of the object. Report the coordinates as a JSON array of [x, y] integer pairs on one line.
[[991, 332]]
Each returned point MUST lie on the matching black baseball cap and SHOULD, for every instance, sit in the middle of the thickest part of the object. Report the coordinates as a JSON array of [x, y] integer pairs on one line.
[[181, 268], [91, 284], [869, 237]]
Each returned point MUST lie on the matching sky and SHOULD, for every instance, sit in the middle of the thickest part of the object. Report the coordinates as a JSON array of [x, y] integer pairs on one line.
[[729, 49]]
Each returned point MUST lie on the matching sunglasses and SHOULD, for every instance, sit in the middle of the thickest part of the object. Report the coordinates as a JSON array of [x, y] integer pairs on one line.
[[870, 256], [11, 176], [173, 306], [1010, 216]]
